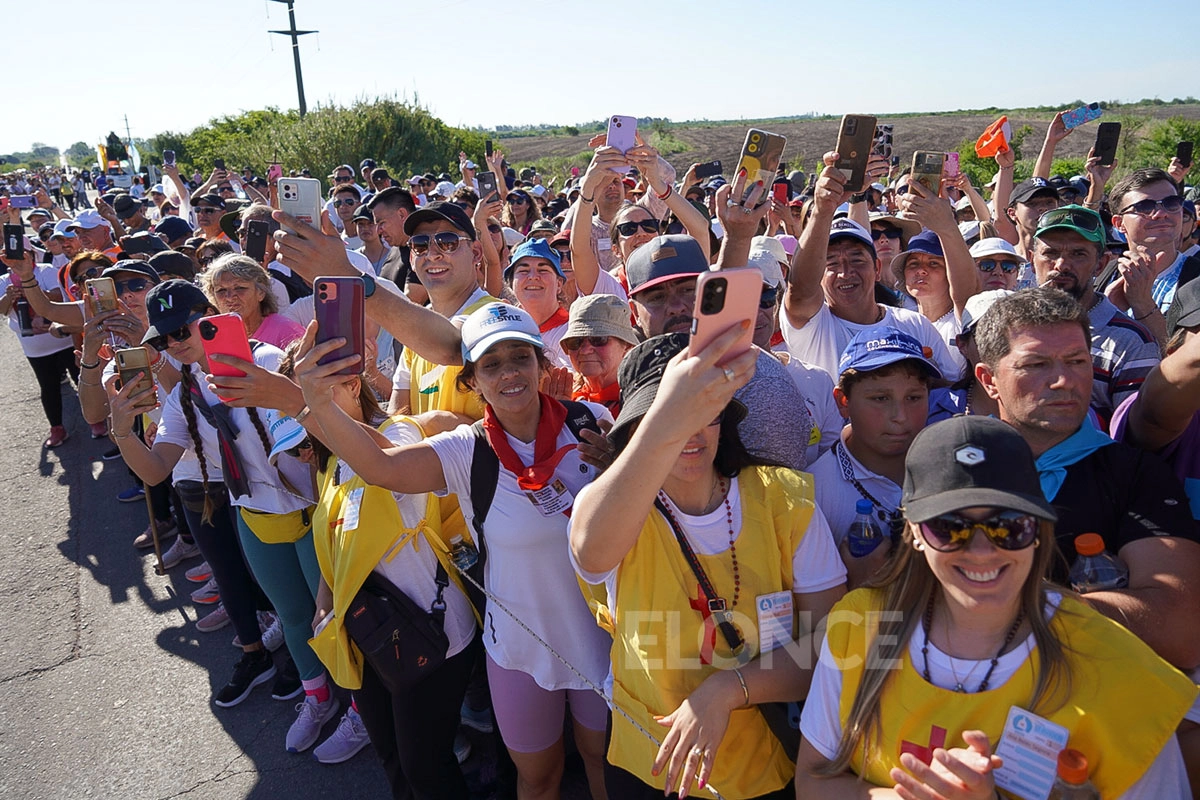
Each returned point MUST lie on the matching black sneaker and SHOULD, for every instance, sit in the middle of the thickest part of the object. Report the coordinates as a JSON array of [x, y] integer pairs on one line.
[[252, 669], [287, 684]]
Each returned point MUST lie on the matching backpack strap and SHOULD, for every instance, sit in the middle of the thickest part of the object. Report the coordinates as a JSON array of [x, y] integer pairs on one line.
[[579, 418]]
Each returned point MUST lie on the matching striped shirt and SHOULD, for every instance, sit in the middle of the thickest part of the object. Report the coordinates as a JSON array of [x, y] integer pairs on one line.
[[1123, 353]]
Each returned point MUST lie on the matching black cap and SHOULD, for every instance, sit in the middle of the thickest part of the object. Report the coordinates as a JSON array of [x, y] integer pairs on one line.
[[1185, 311], [362, 212], [440, 210], [173, 227], [969, 461], [229, 223], [126, 206], [171, 305], [131, 265], [213, 200], [174, 265], [367, 162], [1027, 190], [639, 375], [664, 258], [143, 243]]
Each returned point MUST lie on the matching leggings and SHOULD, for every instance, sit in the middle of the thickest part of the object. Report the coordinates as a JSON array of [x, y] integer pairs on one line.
[[49, 372], [288, 573], [218, 543], [413, 733]]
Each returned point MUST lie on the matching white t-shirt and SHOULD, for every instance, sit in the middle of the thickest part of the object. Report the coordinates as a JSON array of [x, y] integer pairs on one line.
[[821, 725], [528, 566], [949, 326], [413, 568], [836, 495], [552, 339], [824, 337], [302, 310], [40, 344], [817, 387], [606, 283]]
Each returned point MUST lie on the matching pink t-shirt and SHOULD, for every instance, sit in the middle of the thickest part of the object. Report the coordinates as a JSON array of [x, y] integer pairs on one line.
[[278, 330]]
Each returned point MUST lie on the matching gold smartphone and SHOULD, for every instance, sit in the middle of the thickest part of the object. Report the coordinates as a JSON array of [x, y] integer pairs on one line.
[[132, 361], [927, 170]]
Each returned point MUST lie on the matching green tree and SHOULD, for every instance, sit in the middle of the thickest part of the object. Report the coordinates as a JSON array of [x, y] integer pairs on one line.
[[1158, 147]]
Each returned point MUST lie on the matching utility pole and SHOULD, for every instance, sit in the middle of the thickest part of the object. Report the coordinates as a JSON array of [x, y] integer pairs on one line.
[[292, 32]]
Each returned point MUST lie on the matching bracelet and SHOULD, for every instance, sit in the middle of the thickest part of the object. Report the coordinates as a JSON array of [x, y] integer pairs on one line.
[[93, 365], [304, 412], [126, 436], [665, 194], [157, 366], [1143, 316], [583, 199], [745, 691], [33, 284], [82, 382]]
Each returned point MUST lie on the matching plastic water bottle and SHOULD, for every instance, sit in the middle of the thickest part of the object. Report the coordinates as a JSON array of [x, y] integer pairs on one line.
[[1072, 782], [1095, 569], [463, 553], [24, 316], [864, 534]]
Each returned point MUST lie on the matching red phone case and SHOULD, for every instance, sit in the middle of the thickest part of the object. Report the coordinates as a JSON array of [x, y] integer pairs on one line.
[[339, 308], [225, 334]]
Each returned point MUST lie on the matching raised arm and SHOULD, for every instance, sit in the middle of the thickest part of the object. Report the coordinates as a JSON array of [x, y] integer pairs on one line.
[[1007, 229], [1055, 133], [805, 295], [583, 250], [649, 164], [152, 464], [740, 219], [1168, 400], [24, 274], [493, 269]]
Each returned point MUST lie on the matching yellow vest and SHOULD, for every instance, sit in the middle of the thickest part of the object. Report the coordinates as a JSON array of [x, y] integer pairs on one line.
[[432, 386], [1124, 704], [662, 642], [346, 557]]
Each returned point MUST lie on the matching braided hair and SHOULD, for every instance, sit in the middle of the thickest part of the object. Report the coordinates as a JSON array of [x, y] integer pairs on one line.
[[186, 382]]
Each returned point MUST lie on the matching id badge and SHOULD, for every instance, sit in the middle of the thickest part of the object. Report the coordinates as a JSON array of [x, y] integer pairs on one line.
[[552, 499], [774, 620], [350, 508], [1029, 746]]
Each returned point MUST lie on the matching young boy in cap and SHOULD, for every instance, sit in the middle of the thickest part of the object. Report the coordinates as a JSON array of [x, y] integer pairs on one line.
[[883, 392]]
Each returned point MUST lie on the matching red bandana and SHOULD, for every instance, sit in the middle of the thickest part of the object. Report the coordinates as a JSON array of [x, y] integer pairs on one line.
[[559, 317], [609, 396], [545, 457]]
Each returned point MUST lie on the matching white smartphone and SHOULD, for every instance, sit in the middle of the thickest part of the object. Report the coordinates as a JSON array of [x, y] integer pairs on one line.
[[301, 197]]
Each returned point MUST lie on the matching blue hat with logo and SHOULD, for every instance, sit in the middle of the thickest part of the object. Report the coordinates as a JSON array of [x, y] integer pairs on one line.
[[495, 323], [534, 248], [883, 345], [924, 242]]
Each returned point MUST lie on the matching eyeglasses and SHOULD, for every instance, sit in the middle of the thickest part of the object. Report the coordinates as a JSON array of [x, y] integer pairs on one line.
[[768, 297], [346, 201], [161, 343], [447, 242], [902, 189], [493, 228], [515, 199], [87, 274], [1008, 530], [343, 178], [990, 264], [294, 452], [133, 285], [224, 188], [571, 345], [628, 229], [891, 233], [1144, 208]]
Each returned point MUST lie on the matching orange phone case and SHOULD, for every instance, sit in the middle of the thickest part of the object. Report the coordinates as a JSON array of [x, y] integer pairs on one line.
[[724, 299]]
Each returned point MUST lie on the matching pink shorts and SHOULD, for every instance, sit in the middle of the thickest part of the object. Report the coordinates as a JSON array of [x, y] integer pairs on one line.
[[530, 717]]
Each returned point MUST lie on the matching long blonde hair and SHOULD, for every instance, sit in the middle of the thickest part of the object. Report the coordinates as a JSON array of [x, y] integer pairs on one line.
[[909, 586]]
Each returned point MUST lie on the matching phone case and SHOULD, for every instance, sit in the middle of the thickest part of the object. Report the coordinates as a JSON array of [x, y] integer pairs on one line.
[[708, 170], [274, 172], [781, 190], [1075, 118], [882, 146], [256, 239], [130, 362], [1108, 136], [1183, 151], [301, 197], [14, 241], [927, 170], [23, 201], [761, 154], [339, 308], [855, 139], [225, 334], [102, 295], [724, 299], [487, 186], [622, 134], [168, 158], [950, 168]]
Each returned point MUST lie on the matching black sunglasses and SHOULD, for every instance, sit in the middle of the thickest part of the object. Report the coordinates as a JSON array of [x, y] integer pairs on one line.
[[628, 229], [1145, 208], [347, 201], [87, 274], [564, 254], [447, 242], [990, 264], [571, 345], [769, 295], [1008, 530], [294, 452], [161, 343], [133, 285], [515, 199], [891, 233]]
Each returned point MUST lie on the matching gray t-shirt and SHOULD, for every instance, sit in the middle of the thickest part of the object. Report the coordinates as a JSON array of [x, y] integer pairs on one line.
[[779, 423]]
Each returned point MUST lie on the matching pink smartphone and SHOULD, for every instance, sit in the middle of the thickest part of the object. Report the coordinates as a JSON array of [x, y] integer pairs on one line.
[[950, 167], [724, 299], [225, 334], [340, 306]]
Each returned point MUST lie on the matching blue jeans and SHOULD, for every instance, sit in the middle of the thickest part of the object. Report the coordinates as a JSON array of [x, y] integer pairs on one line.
[[288, 573]]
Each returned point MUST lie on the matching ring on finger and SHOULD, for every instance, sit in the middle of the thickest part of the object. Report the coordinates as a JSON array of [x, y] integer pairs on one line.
[[729, 375], [731, 203], [746, 210], [697, 752]]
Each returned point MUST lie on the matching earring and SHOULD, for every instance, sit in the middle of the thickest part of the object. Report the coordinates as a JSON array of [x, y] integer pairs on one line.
[[1037, 543]]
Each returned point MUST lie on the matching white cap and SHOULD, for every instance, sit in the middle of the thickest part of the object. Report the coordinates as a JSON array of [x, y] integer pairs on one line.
[[978, 304], [285, 432], [993, 246], [512, 237], [89, 219], [495, 323], [969, 229], [963, 202]]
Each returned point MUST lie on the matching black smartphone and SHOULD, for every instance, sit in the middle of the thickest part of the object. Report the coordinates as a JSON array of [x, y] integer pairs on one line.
[[1108, 136], [487, 147], [14, 242], [218, 163], [1183, 151], [487, 186], [708, 169], [168, 158], [257, 231]]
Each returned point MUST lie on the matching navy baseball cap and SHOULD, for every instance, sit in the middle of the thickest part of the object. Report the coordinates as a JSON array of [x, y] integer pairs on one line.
[[883, 345], [174, 228]]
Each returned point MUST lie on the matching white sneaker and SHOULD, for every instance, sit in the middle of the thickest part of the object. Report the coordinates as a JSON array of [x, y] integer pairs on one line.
[[345, 742], [307, 727], [179, 551], [271, 629]]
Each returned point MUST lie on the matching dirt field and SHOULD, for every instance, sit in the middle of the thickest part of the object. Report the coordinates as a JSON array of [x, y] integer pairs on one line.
[[807, 140]]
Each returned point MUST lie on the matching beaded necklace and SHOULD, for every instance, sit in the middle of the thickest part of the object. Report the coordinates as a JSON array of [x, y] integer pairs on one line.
[[927, 623]]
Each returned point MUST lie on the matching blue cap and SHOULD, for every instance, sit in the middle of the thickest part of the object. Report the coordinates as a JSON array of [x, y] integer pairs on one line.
[[534, 248], [924, 242], [882, 345]]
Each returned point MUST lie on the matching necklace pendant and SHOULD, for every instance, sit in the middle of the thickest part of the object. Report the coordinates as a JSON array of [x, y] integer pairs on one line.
[[958, 687]]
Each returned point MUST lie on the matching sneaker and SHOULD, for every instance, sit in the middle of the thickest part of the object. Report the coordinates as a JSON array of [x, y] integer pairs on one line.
[[287, 684], [251, 670], [179, 551], [214, 620], [166, 529], [134, 494], [310, 717], [100, 430], [345, 742], [207, 594], [271, 629], [199, 574], [113, 455], [58, 435], [462, 747], [480, 720]]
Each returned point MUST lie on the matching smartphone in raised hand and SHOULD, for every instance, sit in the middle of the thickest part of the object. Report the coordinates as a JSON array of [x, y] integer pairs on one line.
[[101, 295], [1183, 151], [1108, 137], [856, 138], [724, 299], [488, 191], [301, 198], [1085, 113], [339, 308], [257, 231], [225, 334], [761, 153], [927, 166], [133, 366], [622, 134]]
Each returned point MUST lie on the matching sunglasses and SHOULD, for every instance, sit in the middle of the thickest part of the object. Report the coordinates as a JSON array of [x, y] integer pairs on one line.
[[493, 228], [628, 229], [767, 299], [87, 274], [990, 264], [224, 188], [447, 242], [294, 452], [1144, 208], [133, 285], [44, 237], [571, 345], [343, 178], [515, 200], [161, 343], [891, 233], [564, 254], [1008, 530], [346, 201], [206, 210], [1076, 217]]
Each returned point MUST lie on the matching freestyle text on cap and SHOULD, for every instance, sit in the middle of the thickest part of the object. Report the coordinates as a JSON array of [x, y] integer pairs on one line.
[[495, 323], [971, 461], [534, 248], [170, 305], [664, 258], [883, 345], [440, 210]]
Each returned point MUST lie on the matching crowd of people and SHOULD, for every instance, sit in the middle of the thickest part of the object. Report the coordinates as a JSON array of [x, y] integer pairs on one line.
[[741, 572]]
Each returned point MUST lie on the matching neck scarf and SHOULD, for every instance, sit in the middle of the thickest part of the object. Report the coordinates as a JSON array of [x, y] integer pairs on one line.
[[545, 456], [606, 396], [1052, 464], [219, 418], [559, 317]]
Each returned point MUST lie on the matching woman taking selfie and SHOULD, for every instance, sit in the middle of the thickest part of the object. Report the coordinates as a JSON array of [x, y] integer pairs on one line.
[[683, 529], [979, 632], [540, 469], [237, 285]]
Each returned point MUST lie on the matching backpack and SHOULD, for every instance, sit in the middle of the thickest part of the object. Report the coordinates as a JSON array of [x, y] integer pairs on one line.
[[295, 285]]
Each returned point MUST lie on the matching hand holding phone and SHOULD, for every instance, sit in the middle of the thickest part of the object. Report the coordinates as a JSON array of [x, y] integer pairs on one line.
[[1108, 137], [168, 158], [856, 138], [1183, 151], [1086, 113], [14, 242], [225, 335], [339, 309], [257, 231], [622, 134]]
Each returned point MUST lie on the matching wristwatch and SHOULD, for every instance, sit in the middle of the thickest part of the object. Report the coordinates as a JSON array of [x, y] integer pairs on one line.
[[369, 284]]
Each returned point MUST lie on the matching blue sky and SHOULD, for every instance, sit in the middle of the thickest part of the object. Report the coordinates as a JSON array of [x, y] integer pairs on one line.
[[178, 63]]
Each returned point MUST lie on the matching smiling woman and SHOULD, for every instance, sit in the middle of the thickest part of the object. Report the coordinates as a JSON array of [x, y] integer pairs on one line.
[[235, 284]]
